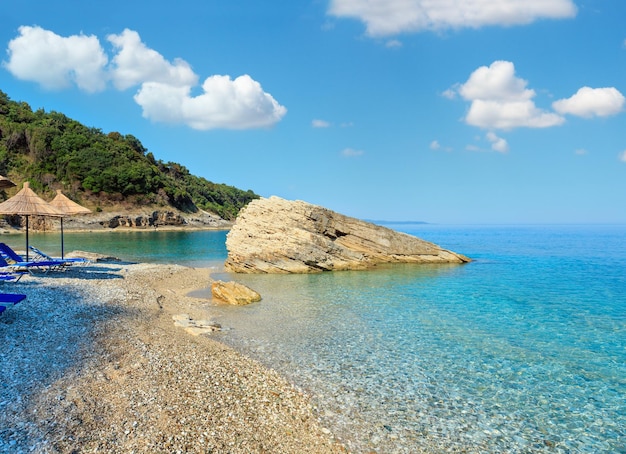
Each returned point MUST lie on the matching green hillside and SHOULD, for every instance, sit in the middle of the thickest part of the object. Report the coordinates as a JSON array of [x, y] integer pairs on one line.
[[101, 170]]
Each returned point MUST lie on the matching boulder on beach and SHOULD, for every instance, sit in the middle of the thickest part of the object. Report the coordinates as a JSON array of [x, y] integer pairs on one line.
[[273, 235], [234, 293]]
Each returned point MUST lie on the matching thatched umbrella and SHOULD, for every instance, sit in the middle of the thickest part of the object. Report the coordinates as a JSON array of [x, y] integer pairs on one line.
[[27, 203], [69, 208], [6, 183]]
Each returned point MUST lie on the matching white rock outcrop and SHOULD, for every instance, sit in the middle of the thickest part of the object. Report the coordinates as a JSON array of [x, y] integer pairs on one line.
[[273, 235]]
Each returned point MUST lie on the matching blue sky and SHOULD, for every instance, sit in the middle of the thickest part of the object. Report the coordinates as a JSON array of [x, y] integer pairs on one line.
[[489, 111]]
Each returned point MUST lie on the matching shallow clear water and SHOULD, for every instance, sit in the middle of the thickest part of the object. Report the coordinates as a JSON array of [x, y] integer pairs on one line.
[[192, 248], [522, 350]]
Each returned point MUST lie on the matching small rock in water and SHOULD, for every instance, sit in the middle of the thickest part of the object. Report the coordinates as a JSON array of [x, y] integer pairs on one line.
[[234, 293]]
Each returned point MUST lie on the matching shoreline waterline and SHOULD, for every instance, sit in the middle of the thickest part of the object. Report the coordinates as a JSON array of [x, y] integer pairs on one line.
[[196, 248], [93, 360], [523, 349], [71, 231]]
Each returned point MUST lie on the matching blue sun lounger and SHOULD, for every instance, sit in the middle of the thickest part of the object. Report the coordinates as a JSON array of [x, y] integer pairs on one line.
[[9, 300], [40, 255], [14, 275], [11, 259]]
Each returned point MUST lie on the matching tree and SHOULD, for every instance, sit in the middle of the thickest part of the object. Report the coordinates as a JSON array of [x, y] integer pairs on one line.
[[54, 151]]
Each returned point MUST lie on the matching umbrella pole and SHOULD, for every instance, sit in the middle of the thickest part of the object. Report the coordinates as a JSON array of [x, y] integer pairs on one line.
[[62, 245], [27, 238]]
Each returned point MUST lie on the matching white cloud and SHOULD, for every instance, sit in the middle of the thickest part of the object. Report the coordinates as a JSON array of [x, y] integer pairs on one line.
[[320, 124], [55, 62], [393, 44], [622, 156], [450, 93], [496, 82], [164, 93], [390, 17], [589, 102], [225, 103], [500, 100], [497, 143], [436, 146], [509, 115], [580, 152], [351, 153], [135, 64]]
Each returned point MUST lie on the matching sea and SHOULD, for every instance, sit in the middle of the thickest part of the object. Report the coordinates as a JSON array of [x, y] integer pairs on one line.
[[522, 350]]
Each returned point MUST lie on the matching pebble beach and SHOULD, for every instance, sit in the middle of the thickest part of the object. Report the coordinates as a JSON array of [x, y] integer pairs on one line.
[[94, 361]]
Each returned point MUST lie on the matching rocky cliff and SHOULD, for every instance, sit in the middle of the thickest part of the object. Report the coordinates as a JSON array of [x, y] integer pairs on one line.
[[273, 235], [157, 219]]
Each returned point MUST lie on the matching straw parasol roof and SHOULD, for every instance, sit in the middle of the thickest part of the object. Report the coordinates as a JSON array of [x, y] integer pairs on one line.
[[27, 203], [6, 183], [68, 206]]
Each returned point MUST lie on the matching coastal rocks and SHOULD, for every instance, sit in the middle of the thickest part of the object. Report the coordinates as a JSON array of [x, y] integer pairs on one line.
[[36, 223], [157, 218], [92, 257], [234, 293], [123, 219], [273, 235], [205, 219], [195, 327]]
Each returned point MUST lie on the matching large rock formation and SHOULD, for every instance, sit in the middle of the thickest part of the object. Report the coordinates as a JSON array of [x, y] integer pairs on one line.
[[278, 236]]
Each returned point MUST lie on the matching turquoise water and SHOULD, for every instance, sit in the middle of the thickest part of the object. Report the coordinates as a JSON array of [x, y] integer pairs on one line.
[[192, 248], [522, 350]]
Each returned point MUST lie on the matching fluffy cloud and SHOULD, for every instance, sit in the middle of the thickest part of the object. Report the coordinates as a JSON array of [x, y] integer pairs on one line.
[[225, 103], [135, 64], [497, 143], [435, 145], [497, 82], [622, 156], [390, 17], [500, 100], [589, 102], [55, 62]]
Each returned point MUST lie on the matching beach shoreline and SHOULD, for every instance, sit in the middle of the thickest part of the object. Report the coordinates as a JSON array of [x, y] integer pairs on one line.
[[93, 361]]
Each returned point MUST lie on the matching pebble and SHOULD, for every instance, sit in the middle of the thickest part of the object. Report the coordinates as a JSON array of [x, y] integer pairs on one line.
[[108, 353]]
